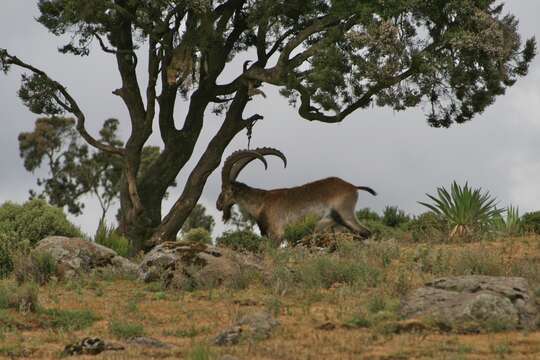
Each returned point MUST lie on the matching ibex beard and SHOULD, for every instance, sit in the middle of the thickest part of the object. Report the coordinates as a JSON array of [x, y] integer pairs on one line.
[[332, 200]]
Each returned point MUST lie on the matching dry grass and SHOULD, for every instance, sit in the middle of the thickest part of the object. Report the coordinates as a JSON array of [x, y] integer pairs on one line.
[[360, 305]]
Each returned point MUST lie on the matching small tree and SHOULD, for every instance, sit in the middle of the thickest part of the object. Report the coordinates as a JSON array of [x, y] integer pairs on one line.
[[74, 169], [199, 219]]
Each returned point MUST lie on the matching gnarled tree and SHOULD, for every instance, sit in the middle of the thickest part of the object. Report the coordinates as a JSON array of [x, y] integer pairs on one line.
[[330, 57]]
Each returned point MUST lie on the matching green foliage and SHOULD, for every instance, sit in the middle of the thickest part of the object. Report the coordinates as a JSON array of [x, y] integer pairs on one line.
[[295, 232], [358, 321], [200, 235], [201, 352], [323, 272], [35, 220], [74, 169], [199, 219], [241, 240], [511, 224], [467, 210], [241, 219], [109, 237], [367, 214], [22, 298], [429, 227], [531, 222], [394, 217], [36, 267], [381, 231], [68, 320], [10, 247], [125, 330]]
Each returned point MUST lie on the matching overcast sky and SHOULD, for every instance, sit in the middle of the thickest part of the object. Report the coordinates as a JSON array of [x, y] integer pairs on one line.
[[396, 153]]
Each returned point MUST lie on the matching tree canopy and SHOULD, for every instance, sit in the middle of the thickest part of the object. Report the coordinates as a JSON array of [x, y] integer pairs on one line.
[[329, 58]]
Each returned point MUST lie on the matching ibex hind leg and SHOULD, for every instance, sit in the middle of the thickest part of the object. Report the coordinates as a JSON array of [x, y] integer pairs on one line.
[[350, 221]]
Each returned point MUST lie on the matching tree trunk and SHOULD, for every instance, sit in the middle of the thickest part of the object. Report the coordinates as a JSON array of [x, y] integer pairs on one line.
[[209, 161]]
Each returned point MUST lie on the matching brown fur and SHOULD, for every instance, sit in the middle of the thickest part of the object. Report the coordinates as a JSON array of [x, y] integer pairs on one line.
[[333, 199]]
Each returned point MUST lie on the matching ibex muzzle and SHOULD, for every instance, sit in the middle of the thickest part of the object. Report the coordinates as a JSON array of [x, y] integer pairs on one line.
[[333, 200]]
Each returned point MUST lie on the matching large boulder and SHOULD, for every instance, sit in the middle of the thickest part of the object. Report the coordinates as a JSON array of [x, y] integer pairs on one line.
[[75, 256], [188, 265], [474, 303]]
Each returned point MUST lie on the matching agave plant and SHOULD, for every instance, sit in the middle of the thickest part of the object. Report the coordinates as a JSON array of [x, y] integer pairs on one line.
[[511, 224], [465, 209]]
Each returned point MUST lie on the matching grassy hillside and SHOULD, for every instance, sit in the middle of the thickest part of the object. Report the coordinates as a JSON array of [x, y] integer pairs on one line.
[[340, 305]]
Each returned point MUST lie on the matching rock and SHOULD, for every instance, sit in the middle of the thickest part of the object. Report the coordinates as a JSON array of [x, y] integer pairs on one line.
[[229, 336], [148, 342], [75, 256], [258, 325], [90, 346], [474, 303], [187, 265]]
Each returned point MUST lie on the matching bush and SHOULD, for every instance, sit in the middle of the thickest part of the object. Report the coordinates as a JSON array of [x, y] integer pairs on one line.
[[511, 224], [367, 214], [381, 231], [109, 237], [35, 220], [69, 320], [35, 267], [10, 248], [467, 210], [325, 271], [199, 235], [125, 330], [428, 227], [241, 240], [22, 298], [393, 217], [531, 222], [294, 233]]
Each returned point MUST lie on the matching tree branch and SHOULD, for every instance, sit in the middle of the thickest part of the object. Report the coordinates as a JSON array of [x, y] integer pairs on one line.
[[71, 106]]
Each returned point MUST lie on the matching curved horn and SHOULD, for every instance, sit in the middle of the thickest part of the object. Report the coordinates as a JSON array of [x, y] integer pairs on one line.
[[240, 164], [243, 156]]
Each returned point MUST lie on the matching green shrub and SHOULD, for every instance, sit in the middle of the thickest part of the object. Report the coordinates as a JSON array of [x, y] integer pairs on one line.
[[467, 210], [241, 240], [394, 217], [35, 220], [294, 233], [367, 214], [10, 248], [358, 321], [511, 224], [325, 271], [109, 237], [125, 330], [381, 231], [428, 227], [36, 267], [22, 298], [68, 320], [201, 352], [199, 235], [531, 222]]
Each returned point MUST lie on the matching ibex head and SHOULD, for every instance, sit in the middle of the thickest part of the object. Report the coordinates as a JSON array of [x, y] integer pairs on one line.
[[230, 189]]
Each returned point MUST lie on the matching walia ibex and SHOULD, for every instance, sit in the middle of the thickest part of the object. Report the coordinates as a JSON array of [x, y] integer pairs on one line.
[[332, 200]]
